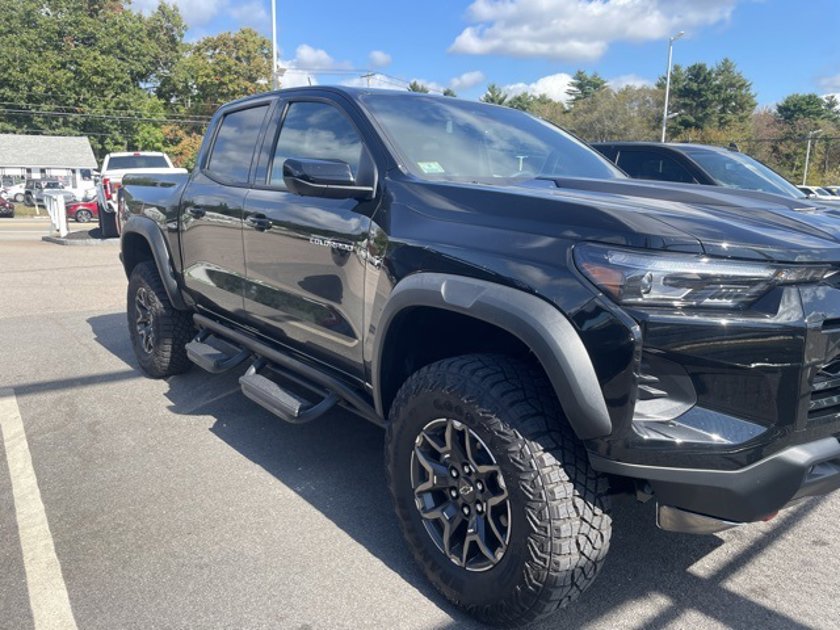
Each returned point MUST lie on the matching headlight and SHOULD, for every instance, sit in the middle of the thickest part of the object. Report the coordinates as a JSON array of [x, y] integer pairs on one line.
[[640, 278]]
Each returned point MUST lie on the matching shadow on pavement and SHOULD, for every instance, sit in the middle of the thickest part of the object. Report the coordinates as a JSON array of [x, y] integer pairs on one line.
[[336, 465]]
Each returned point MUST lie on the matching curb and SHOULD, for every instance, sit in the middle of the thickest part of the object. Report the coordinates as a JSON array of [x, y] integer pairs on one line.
[[77, 242]]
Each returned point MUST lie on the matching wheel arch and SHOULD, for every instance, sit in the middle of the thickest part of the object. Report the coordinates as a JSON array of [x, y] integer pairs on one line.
[[141, 240], [536, 324]]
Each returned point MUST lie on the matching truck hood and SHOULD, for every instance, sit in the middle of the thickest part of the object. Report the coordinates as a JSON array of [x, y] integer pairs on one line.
[[685, 218]]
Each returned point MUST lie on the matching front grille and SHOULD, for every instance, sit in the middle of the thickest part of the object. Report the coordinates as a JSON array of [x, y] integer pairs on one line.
[[825, 393]]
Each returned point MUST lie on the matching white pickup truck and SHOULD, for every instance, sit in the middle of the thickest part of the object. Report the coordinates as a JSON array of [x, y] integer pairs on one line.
[[114, 167]]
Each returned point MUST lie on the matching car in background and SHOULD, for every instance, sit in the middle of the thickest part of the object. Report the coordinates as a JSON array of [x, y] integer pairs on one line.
[[700, 164], [834, 190], [818, 192], [83, 211], [35, 189], [15, 192], [7, 208]]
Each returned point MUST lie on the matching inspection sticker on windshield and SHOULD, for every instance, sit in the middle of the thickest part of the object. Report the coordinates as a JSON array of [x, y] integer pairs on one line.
[[430, 167]]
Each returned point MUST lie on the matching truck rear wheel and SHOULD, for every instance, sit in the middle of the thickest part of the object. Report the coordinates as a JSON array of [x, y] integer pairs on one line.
[[493, 491], [159, 332]]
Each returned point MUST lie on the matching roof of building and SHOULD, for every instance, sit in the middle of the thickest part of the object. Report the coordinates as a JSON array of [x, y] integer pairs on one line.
[[46, 151]]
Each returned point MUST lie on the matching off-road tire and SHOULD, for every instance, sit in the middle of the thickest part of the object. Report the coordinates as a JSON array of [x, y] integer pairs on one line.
[[560, 524], [170, 328]]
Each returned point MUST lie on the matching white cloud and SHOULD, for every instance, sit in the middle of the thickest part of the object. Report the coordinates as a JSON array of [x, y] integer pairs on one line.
[[554, 86], [194, 12], [379, 59], [253, 14], [310, 58], [466, 80], [578, 30], [830, 84], [625, 80]]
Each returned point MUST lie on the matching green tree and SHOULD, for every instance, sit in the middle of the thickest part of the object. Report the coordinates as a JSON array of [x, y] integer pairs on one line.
[[86, 68], [631, 113], [523, 101], [416, 86], [218, 69], [494, 95], [584, 85], [797, 107], [449, 92], [734, 99]]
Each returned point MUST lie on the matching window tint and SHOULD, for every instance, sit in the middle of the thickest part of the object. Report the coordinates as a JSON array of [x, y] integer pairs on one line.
[[737, 170], [122, 162], [653, 165], [316, 131], [230, 160]]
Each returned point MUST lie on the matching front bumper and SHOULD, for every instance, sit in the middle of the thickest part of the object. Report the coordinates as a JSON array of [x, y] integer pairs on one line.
[[752, 493]]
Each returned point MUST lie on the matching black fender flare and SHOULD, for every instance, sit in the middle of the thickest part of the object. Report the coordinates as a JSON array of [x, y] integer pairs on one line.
[[151, 232], [537, 323]]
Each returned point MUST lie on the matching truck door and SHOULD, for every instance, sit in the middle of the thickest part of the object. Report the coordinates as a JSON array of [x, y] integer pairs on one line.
[[212, 211], [305, 256]]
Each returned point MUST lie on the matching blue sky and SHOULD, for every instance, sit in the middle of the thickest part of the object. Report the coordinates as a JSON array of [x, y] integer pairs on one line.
[[782, 46]]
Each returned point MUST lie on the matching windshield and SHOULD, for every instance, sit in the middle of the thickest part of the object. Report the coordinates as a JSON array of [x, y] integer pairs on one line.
[[737, 170], [456, 140], [123, 162]]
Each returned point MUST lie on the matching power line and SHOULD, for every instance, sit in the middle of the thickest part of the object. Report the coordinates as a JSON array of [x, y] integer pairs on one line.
[[101, 116]]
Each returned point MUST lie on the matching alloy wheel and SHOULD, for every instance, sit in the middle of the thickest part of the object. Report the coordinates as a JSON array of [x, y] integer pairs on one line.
[[143, 321], [461, 494]]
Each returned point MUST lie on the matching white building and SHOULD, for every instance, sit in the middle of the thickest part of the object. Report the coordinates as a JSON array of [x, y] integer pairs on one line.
[[68, 159]]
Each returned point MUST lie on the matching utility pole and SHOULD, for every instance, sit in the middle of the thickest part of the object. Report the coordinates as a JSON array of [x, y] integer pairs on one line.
[[274, 76], [368, 76], [671, 41], [811, 134]]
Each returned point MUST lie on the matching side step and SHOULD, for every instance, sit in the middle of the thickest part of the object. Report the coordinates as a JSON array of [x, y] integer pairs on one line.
[[281, 402], [213, 359]]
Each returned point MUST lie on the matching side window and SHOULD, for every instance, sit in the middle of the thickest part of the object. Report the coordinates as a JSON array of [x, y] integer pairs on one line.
[[653, 165], [230, 159], [317, 131]]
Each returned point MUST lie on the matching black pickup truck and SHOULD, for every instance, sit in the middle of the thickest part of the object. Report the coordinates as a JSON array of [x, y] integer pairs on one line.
[[535, 331]]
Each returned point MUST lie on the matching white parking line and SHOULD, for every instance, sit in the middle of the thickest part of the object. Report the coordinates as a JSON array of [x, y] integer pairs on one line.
[[47, 591]]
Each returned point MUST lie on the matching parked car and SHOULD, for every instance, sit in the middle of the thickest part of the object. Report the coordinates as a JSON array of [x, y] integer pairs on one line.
[[817, 192], [535, 331], [699, 164], [83, 211], [834, 190], [35, 188], [114, 167], [7, 208], [16, 192]]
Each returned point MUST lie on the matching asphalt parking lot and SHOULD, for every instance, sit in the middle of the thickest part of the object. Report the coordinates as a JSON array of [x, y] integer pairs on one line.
[[180, 504]]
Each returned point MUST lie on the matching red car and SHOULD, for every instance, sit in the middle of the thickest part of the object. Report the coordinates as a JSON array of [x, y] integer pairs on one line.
[[82, 211], [7, 208]]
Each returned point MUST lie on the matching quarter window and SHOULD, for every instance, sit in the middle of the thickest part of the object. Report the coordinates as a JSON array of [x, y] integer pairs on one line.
[[233, 150], [315, 131]]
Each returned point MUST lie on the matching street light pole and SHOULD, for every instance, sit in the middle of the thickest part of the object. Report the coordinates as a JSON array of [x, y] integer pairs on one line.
[[811, 134], [671, 41], [274, 76]]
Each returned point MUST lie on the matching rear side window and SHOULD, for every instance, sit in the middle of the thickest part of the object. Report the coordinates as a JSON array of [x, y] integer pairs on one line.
[[653, 165], [316, 131], [230, 159]]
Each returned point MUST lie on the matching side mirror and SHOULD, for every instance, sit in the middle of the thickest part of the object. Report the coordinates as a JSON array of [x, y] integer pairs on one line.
[[332, 179]]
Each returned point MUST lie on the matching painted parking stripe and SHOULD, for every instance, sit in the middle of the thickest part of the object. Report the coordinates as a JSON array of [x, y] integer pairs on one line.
[[47, 591]]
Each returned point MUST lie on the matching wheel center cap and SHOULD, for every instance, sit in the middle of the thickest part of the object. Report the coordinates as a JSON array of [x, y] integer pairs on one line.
[[466, 490]]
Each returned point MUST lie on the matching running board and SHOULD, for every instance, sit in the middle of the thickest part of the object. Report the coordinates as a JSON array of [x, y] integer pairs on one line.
[[212, 359], [281, 402]]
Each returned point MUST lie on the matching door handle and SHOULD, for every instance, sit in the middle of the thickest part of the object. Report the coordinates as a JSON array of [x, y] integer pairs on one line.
[[197, 212], [258, 222]]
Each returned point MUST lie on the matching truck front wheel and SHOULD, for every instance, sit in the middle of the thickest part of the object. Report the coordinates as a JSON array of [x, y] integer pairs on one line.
[[159, 332], [493, 491]]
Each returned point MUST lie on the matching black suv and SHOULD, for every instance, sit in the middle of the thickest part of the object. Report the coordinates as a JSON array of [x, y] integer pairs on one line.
[[700, 164], [535, 331]]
